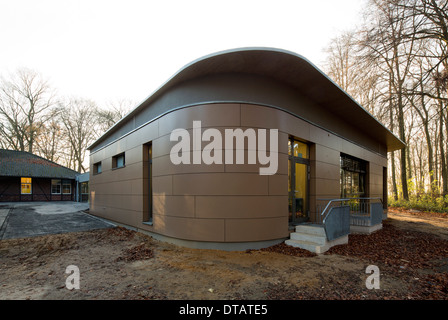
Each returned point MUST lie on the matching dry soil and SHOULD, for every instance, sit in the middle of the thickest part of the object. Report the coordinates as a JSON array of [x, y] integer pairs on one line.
[[118, 263]]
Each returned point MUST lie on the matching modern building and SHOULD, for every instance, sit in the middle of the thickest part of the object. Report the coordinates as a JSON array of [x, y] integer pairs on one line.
[[166, 168], [27, 177]]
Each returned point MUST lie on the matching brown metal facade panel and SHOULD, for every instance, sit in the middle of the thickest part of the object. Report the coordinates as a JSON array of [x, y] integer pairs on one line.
[[163, 166], [210, 230], [227, 183], [175, 206], [211, 116], [238, 207], [256, 229]]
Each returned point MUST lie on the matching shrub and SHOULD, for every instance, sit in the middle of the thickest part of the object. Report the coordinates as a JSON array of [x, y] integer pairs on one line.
[[423, 202]]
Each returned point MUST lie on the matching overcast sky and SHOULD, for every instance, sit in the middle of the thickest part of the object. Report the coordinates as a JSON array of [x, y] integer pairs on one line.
[[111, 50]]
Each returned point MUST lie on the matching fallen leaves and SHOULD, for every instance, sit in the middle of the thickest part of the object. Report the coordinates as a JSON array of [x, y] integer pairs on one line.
[[289, 250], [400, 253], [395, 247], [117, 234]]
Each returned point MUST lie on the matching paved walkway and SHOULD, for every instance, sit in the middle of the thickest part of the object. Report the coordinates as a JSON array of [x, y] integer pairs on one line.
[[3, 214], [28, 219]]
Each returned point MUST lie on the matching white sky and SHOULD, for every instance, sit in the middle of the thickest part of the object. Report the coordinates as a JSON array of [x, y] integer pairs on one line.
[[111, 50]]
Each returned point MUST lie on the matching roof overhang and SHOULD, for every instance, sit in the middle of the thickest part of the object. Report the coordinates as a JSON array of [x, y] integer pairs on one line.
[[284, 66]]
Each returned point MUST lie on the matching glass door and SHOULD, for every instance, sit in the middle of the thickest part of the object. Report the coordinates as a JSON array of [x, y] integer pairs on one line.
[[298, 177]]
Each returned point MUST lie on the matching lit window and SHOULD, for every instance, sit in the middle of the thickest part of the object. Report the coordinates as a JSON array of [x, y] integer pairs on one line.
[[55, 186], [25, 185], [298, 149]]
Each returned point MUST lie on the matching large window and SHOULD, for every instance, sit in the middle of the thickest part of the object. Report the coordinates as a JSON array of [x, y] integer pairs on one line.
[[353, 177], [26, 185], [55, 186], [66, 187], [59, 186]]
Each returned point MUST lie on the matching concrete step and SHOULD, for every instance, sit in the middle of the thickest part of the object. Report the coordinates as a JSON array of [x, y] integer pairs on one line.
[[309, 237], [307, 245], [312, 237], [312, 229]]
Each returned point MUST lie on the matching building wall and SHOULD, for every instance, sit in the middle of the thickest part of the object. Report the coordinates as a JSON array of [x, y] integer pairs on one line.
[[9, 189], [41, 191], [219, 202]]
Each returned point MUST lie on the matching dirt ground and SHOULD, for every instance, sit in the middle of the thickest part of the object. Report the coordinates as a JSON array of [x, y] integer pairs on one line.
[[411, 252]]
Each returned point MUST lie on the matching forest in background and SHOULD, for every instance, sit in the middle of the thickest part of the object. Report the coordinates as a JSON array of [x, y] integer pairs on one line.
[[35, 119], [394, 64]]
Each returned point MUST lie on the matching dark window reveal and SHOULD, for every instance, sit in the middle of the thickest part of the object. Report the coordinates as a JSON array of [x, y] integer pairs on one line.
[[353, 177]]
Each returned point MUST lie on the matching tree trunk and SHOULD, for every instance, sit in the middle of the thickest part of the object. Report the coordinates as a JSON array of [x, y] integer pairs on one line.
[[444, 170], [394, 180], [391, 126], [401, 124]]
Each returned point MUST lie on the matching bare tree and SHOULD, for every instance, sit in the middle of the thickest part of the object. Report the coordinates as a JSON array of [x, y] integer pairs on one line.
[[78, 119], [49, 143], [25, 101], [396, 65], [431, 18], [341, 61], [113, 112]]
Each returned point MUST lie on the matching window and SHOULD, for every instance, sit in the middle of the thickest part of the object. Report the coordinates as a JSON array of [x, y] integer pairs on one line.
[[97, 168], [353, 177], [55, 186], [147, 167], [26, 184], [118, 161], [84, 196], [298, 181], [66, 187], [84, 188], [298, 149]]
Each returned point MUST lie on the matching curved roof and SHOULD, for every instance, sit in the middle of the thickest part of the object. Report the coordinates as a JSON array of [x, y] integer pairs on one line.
[[282, 66]]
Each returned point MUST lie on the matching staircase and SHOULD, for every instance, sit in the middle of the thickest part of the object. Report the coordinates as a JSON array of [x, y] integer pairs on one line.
[[312, 237]]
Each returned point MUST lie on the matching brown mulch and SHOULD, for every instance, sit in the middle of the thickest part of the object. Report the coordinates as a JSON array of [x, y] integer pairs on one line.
[[139, 252], [405, 254], [395, 247], [399, 252], [283, 248], [434, 287], [116, 233]]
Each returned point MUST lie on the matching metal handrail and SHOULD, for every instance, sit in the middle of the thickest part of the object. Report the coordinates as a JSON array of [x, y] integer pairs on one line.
[[341, 200]]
